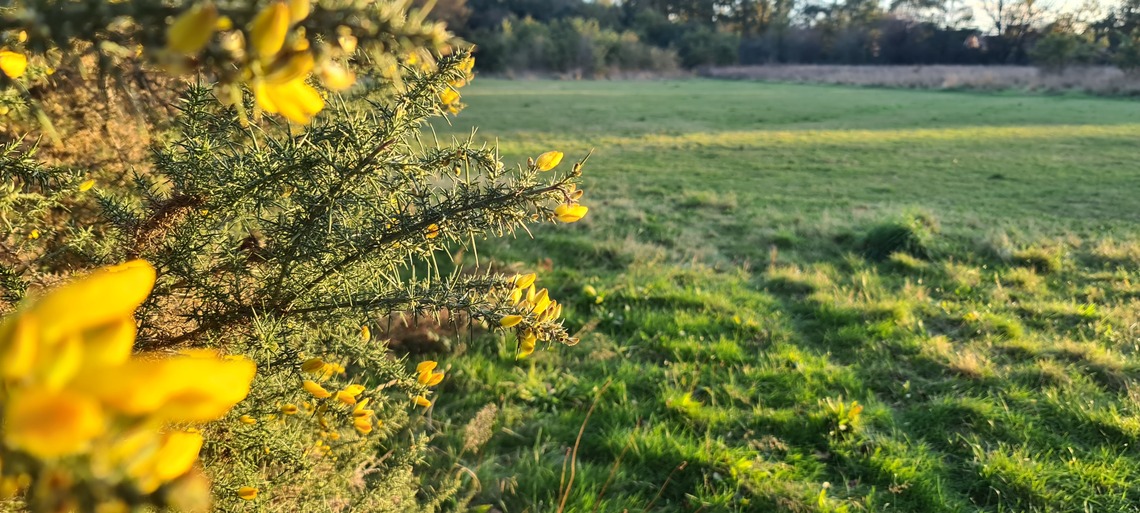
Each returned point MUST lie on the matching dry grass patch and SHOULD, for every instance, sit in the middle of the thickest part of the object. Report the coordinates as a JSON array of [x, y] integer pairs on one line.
[[1093, 79]]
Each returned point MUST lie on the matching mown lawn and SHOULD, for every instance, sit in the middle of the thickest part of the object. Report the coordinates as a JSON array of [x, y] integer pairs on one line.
[[811, 298]]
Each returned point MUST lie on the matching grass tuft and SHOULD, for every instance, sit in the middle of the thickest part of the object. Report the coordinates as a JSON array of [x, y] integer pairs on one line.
[[1042, 260], [912, 235]]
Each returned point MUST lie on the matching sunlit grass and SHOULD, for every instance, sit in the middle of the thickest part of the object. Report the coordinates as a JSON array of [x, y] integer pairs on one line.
[[738, 311], [862, 138]]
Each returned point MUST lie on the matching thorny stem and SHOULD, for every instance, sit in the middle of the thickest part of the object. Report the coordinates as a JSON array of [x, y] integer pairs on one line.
[[416, 228], [283, 308]]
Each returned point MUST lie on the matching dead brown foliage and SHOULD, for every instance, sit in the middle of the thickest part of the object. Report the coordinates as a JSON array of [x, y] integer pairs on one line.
[[1092, 79]]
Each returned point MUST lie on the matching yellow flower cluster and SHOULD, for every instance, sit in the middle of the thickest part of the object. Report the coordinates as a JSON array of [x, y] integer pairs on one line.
[[449, 98], [534, 308], [273, 52], [570, 211], [349, 396], [73, 394], [426, 376]]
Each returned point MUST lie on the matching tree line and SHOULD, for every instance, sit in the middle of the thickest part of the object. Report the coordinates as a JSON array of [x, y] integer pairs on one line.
[[601, 36]]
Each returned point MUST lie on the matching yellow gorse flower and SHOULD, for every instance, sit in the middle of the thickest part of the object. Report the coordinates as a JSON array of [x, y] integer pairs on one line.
[[321, 368], [425, 376], [362, 425], [527, 343], [548, 160], [13, 64], [276, 59], [52, 424], [174, 457], [361, 410], [70, 384], [345, 397], [86, 186], [534, 306], [525, 281], [269, 29], [422, 401], [354, 390], [316, 389], [312, 365], [299, 10], [280, 72], [570, 213], [192, 30], [449, 98], [337, 77], [510, 320], [295, 100], [247, 493]]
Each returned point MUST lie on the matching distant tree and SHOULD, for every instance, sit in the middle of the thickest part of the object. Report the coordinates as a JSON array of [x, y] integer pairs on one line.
[[705, 46], [1127, 55], [702, 12], [949, 14], [1015, 22]]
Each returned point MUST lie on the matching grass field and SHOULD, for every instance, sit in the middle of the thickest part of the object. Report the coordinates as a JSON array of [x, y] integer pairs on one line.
[[814, 298]]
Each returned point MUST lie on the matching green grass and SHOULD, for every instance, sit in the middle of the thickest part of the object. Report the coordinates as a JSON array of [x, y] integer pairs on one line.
[[817, 299]]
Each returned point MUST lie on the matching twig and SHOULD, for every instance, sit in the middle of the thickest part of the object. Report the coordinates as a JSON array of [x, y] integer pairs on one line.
[[613, 471], [667, 479], [577, 442]]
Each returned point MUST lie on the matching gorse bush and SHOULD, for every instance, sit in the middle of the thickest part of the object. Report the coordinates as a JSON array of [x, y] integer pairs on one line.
[[275, 223]]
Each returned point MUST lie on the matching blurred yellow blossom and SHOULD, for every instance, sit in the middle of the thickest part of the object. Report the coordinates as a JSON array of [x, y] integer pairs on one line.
[[50, 424], [268, 30], [295, 100], [336, 77], [13, 64], [71, 386], [299, 10], [192, 29]]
